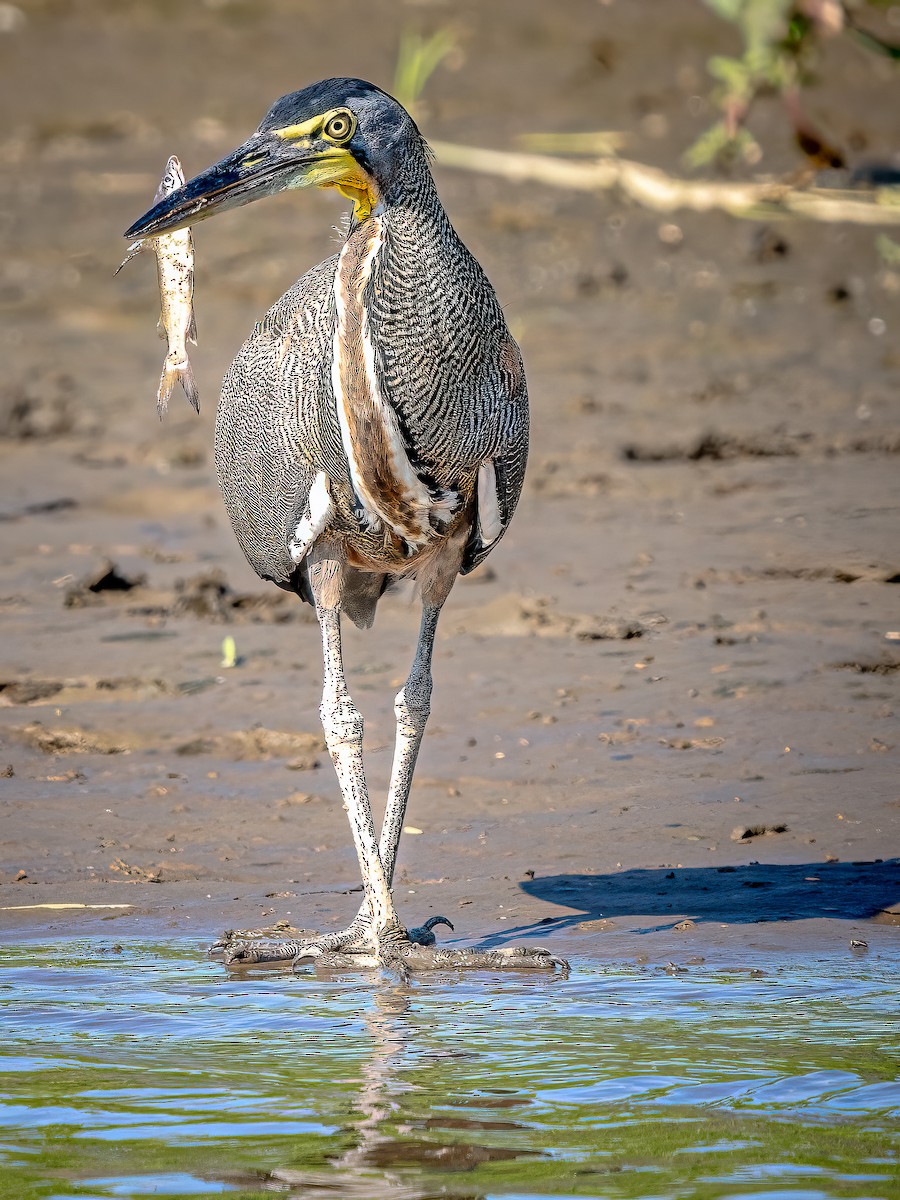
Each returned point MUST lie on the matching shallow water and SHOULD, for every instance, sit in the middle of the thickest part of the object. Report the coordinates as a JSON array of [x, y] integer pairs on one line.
[[143, 1070]]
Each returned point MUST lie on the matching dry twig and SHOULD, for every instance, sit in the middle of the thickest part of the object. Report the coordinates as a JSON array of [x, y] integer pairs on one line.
[[657, 190]]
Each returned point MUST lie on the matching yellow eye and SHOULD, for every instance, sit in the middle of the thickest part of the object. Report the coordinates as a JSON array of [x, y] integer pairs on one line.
[[339, 127]]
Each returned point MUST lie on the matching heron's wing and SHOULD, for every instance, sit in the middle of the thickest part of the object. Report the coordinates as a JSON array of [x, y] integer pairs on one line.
[[272, 428], [501, 476]]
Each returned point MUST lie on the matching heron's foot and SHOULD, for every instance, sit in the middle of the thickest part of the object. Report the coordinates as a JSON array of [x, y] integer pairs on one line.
[[242, 948], [360, 946]]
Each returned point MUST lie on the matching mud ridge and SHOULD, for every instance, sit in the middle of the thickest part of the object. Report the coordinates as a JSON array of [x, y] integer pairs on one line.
[[207, 596], [715, 446], [258, 744], [880, 667], [538, 616], [868, 574], [26, 691]]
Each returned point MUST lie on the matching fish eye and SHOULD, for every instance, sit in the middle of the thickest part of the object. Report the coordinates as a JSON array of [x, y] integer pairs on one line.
[[339, 127]]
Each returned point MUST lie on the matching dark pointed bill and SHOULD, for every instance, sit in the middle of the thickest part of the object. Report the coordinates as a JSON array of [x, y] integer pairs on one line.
[[258, 168]]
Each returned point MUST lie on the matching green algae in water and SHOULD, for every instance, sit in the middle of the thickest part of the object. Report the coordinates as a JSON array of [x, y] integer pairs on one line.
[[151, 1072]]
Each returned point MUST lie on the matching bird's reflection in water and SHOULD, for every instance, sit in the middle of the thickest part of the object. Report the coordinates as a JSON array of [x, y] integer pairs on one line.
[[380, 1162], [388, 1027]]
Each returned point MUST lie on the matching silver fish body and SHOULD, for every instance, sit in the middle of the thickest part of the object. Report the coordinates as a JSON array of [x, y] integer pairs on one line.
[[175, 272]]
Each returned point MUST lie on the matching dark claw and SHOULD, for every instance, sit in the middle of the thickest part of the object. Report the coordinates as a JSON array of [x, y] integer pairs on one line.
[[422, 935]]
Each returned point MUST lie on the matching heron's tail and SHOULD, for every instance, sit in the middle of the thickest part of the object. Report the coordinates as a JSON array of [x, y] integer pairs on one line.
[[174, 368]]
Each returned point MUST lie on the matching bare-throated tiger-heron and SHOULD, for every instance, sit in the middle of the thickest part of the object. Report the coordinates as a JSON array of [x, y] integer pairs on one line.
[[373, 427]]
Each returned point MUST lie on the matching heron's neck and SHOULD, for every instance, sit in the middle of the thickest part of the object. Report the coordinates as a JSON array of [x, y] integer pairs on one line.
[[415, 230], [409, 191]]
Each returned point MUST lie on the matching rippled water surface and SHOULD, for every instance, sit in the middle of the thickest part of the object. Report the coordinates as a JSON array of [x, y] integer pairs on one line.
[[146, 1071]]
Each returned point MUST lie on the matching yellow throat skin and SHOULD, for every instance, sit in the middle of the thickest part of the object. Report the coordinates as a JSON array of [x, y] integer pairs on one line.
[[365, 197]]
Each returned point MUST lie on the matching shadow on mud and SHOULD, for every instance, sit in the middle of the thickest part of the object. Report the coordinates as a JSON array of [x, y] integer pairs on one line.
[[730, 895]]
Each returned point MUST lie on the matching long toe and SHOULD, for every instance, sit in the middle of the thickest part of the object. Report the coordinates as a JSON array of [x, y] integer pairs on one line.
[[245, 954], [281, 933], [426, 958]]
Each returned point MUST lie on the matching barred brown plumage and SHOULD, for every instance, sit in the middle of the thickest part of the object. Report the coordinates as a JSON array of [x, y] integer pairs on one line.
[[373, 426]]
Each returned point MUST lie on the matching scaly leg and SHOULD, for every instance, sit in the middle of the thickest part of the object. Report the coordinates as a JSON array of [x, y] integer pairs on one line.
[[376, 938], [343, 725], [411, 709]]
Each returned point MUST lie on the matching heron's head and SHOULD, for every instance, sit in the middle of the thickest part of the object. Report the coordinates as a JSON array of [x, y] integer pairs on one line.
[[340, 133]]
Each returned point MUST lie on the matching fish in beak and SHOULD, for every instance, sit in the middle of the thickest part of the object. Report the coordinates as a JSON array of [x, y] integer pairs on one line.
[[271, 161]]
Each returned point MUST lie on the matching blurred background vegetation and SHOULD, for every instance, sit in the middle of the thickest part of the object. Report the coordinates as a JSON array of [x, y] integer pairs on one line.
[[779, 55], [780, 42]]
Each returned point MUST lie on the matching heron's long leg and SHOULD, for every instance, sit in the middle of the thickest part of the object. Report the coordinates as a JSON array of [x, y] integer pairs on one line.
[[376, 938], [412, 707], [343, 726]]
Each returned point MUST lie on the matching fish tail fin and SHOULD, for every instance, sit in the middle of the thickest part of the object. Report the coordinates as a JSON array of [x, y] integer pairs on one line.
[[175, 369], [192, 331], [167, 381], [189, 385]]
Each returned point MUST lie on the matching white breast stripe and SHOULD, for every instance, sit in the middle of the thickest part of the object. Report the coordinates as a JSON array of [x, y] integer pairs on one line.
[[336, 382], [314, 520], [490, 523], [416, 494]]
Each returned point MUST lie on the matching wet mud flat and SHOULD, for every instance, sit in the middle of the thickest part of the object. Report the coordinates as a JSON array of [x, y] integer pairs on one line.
[[133, 1069], [665, 713]]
